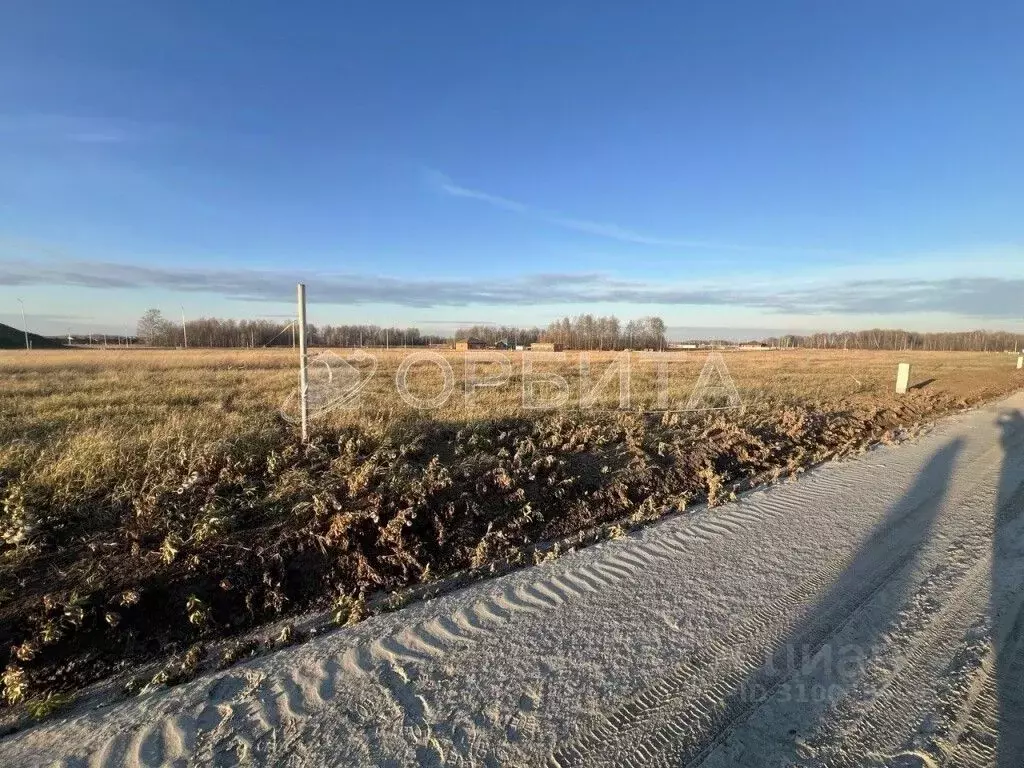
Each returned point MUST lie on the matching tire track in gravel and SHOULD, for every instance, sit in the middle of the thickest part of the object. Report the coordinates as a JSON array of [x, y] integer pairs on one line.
[[891, 695], [619, 561], [992, 731], [937, 652], [679, 719], [912, 665], [993, 728]]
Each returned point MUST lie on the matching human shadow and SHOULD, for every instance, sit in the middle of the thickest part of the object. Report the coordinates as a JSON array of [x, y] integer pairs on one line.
[[884, 561], [791, 641], [809, 650], [1005, 611]]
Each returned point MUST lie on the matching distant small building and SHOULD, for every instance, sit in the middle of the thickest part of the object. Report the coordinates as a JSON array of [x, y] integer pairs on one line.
[[545, 346], [470, 343]]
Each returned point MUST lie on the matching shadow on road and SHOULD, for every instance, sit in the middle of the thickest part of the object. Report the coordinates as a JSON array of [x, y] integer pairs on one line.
[[823, 671], [885, 559], [1005, 611]]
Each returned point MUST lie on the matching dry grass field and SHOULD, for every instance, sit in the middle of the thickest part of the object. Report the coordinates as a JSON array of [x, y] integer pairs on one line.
[[157, 501]]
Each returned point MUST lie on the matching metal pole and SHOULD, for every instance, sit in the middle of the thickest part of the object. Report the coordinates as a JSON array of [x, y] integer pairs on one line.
[[303, 356], [184, 330], [24, 323]]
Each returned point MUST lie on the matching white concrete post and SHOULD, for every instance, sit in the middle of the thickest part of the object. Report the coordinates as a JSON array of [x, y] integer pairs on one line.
[[1020, 362], [902, 378]]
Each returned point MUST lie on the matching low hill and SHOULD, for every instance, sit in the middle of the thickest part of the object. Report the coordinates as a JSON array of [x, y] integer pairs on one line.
[[13, 338]]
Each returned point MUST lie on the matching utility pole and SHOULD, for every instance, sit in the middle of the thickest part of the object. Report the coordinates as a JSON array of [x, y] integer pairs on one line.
[[184, 330], [303, 358], [24, 324]]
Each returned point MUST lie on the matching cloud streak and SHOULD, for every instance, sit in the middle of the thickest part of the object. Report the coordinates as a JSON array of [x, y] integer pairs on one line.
[[977, 297], [75, 129], [605, 230], [449, 187], [600, 229]]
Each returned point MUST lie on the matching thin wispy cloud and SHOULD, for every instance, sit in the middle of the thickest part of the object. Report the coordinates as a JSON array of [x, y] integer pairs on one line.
[[75, 129], [992, 298], [12, 318], [607, 230], [600, 229], [98, 137], [446, 185]]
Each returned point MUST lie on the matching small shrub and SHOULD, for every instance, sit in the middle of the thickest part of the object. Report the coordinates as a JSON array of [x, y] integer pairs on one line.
[[16, 683], [349, 610], [46, 706]]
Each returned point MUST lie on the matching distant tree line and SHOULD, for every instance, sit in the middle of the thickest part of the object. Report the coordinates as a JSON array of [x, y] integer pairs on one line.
[[499, 334], [952, 341], [585, 332], [580, 332], [370, 336], [589, 332], [96, 339], [157, 331]]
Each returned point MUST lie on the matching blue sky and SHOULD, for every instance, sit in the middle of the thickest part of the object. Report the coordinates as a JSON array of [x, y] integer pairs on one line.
[[789, 165]]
